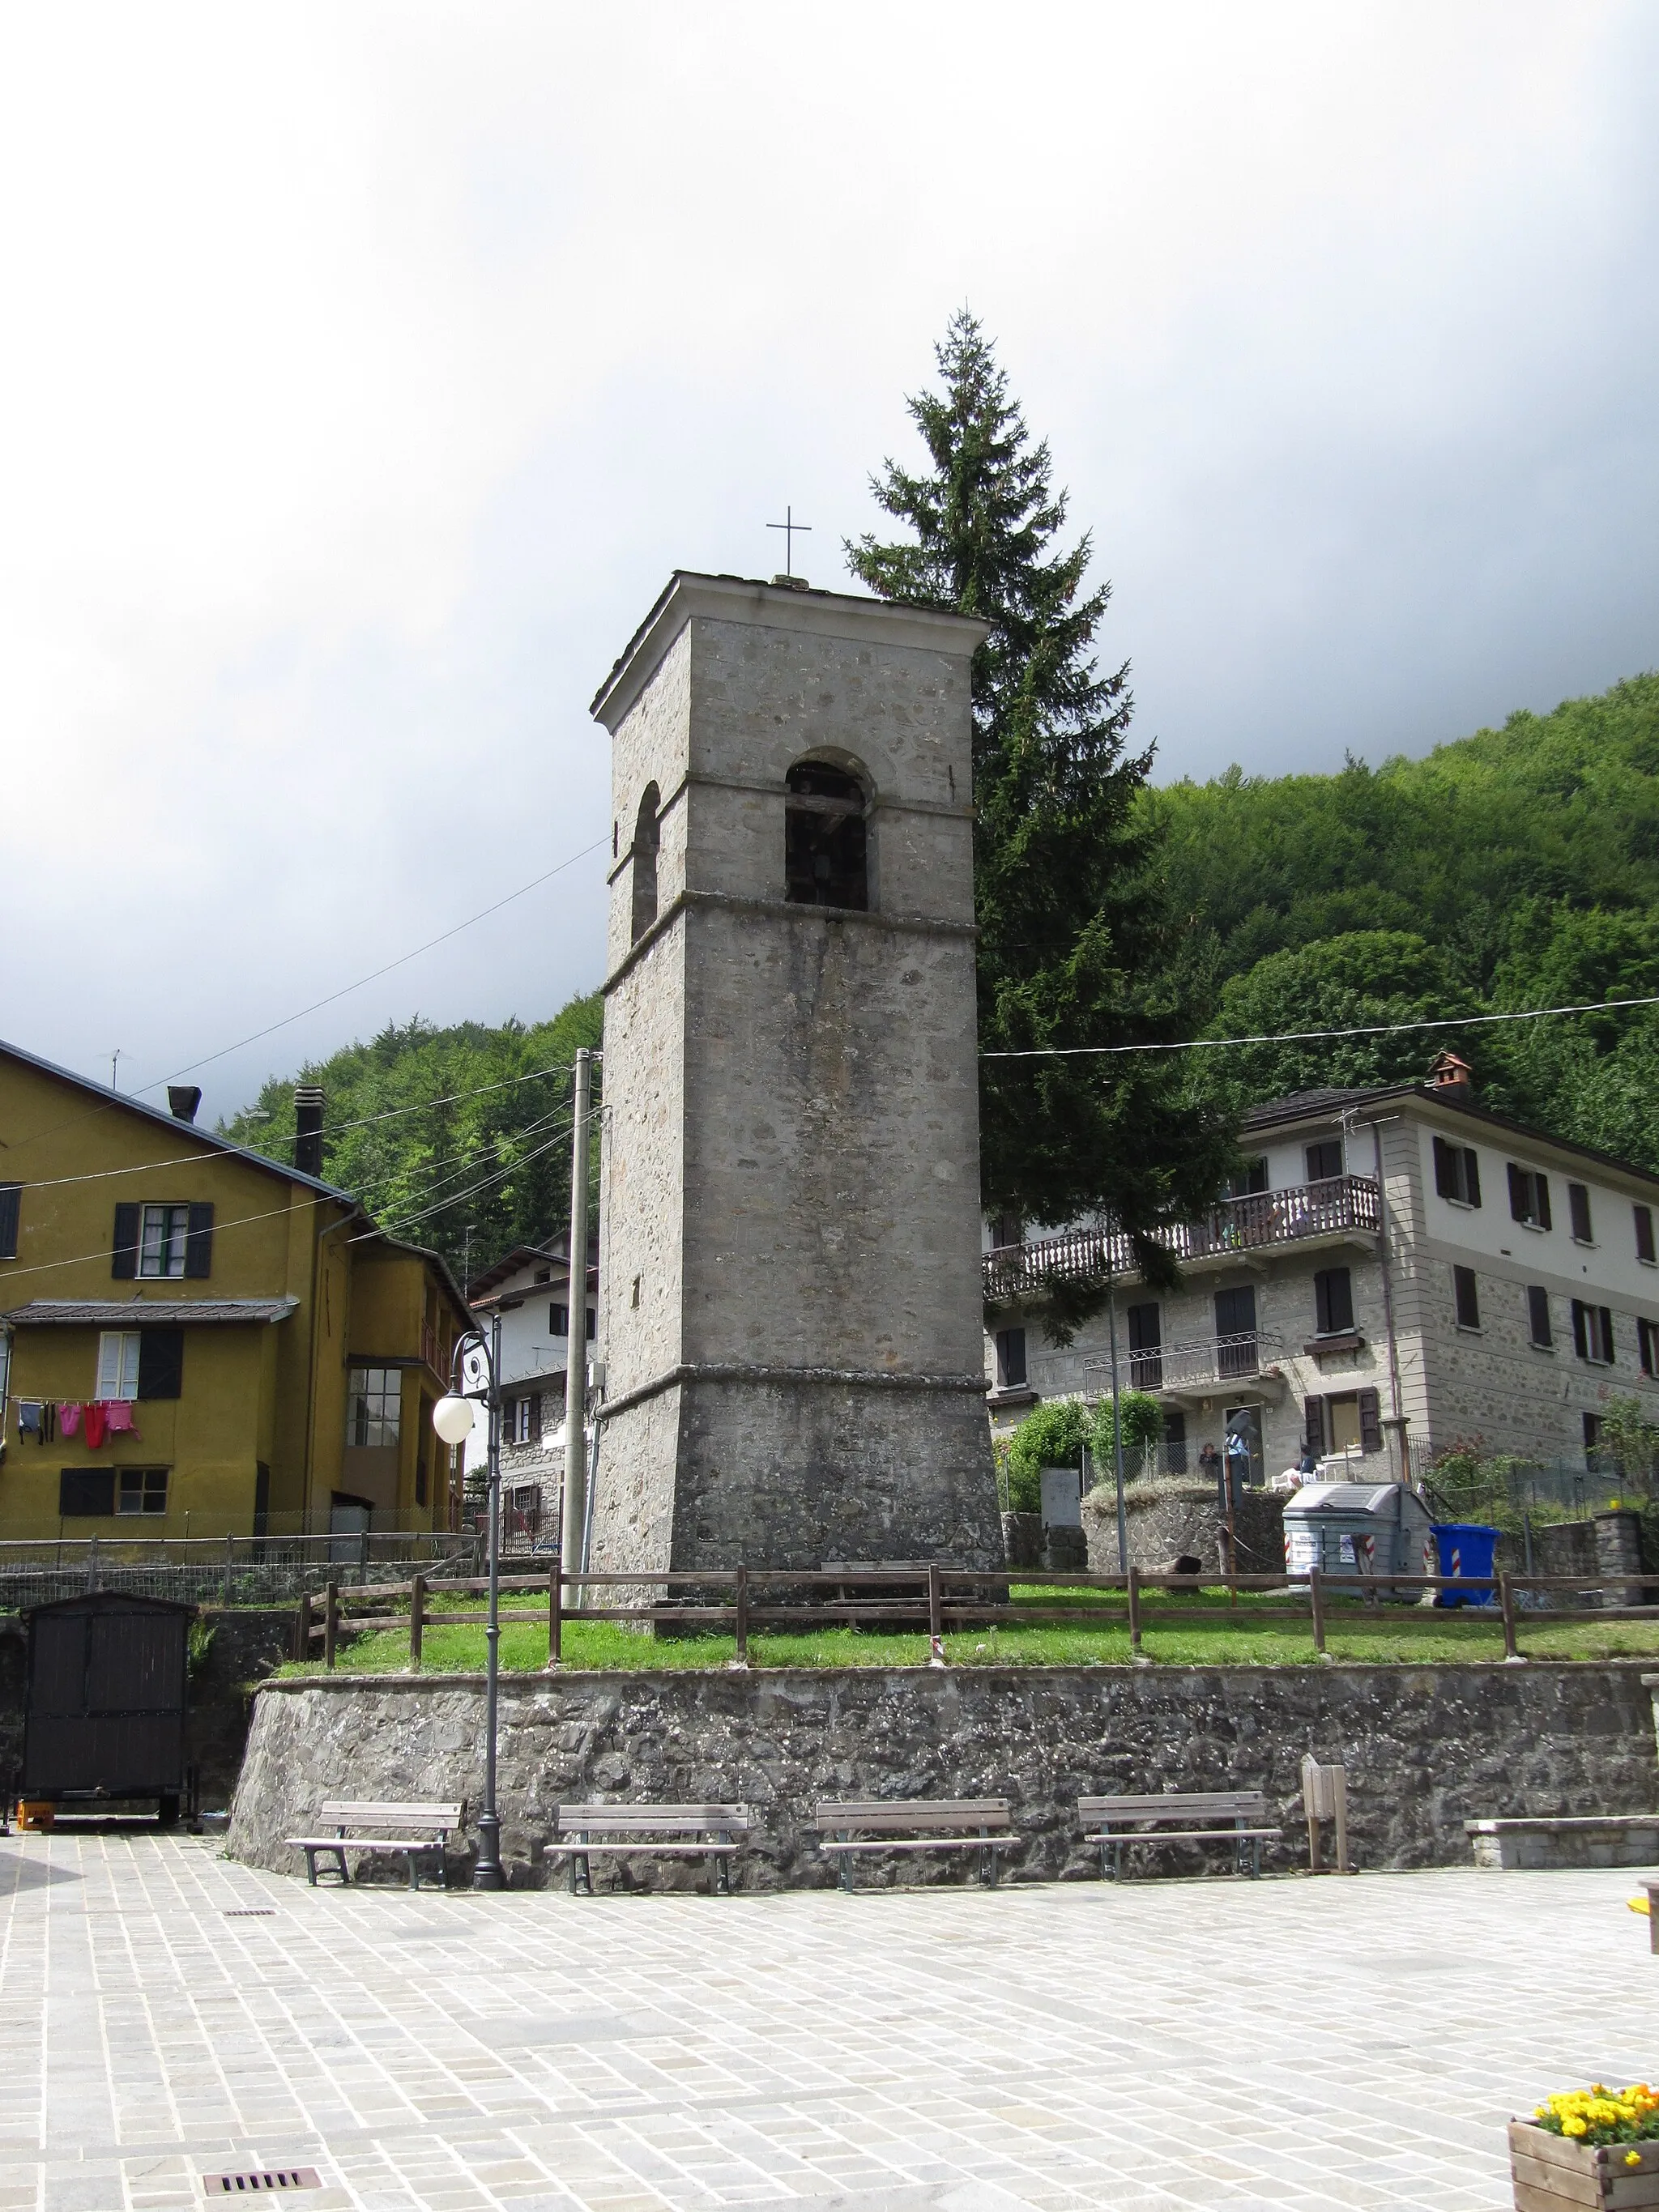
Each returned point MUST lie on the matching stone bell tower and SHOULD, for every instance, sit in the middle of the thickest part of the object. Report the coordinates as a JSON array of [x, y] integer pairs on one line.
[[789, 1270]]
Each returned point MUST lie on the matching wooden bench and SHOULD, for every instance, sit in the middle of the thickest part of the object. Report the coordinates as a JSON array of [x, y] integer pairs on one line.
[[350, 1813], [711, 1832], [1147, 1821], [855, 1825]]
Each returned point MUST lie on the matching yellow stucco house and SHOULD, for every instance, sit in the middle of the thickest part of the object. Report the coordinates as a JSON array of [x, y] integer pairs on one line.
[[197, 1341]]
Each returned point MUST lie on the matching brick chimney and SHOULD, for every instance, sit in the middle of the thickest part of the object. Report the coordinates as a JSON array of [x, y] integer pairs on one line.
[[308, 1129]]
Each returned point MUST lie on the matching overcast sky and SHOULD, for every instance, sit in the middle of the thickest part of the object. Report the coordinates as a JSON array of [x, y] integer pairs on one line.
[[367, 370]]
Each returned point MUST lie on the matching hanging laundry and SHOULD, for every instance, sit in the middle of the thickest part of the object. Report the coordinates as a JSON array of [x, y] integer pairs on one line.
[[69, 1419], [118, 1417], [94, 1419], [28, 1417]]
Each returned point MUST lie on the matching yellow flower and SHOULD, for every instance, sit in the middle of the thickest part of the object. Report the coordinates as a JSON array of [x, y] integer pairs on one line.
[[1572, 2125], [1633, 2158]]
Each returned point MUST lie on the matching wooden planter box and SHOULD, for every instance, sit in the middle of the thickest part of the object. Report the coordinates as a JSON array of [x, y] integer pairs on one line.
[[1551, 2173]]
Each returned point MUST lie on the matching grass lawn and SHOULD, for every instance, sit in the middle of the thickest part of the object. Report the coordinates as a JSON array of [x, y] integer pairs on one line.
[[1220, 1635]]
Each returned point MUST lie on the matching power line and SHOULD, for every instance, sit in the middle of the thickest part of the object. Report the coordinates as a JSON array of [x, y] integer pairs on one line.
[[456, 1197], [425, 1105], [338, 1129], [309, 1198], [1309, 1037], [401, 961]]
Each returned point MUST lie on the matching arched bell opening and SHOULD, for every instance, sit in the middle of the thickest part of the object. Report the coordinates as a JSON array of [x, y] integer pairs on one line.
[[826, 849]]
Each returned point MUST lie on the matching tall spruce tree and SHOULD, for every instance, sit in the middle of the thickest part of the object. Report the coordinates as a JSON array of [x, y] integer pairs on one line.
[[1077, 943]]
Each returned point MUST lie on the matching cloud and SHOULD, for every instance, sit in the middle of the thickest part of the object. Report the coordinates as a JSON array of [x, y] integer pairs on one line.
[[368, 369]]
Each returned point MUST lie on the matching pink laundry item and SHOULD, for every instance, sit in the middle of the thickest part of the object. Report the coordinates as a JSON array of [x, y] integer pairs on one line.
[[117, 1419], [69, 1419], [95, 1418]]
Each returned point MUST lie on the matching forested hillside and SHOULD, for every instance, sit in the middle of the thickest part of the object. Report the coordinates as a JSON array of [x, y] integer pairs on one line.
[[435, 1129], [1515, 868], [1518, 867]]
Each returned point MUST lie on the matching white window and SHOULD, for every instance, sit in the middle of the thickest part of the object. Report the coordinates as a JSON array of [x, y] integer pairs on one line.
[[375, 1406], [117, 1364], [163, 1232]]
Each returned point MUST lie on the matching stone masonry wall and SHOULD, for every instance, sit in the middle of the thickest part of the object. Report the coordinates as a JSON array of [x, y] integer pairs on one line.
[[1424, 1746], [789, 1279], [1165, 1520]]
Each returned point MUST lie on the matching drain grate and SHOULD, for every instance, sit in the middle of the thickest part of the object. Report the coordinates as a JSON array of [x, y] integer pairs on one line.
[[250, 1913], [276, 2177]]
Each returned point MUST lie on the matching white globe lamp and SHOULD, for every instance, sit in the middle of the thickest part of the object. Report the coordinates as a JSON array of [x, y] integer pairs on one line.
[[453, 1418]]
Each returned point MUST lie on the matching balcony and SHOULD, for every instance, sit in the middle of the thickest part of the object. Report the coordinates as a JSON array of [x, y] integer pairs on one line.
[[1199, 1368], [1340, 1207]]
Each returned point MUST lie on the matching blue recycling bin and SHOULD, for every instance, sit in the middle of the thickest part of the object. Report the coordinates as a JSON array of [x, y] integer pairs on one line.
[[1464, 1548]]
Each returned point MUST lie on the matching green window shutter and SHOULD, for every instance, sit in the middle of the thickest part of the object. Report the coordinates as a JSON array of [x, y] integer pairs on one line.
[[161, 1362], [124, 1265], [199, 1242]]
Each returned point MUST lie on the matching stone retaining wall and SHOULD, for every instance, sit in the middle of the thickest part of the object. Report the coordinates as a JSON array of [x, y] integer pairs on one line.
[[1425, 1747], [1170, 1515]]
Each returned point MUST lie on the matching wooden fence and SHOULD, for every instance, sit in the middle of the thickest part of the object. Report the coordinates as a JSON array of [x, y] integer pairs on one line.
[[949, 1597]]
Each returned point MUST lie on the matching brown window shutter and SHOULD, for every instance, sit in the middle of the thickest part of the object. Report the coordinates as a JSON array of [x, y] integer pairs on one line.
[[123, 1264], [1520, 1199], [1313, 1424], [1540, 1184], [1370, 1421], [199, 1242], [11, 1195], [1445, 1169], [1472, 1175], [535, 1416]]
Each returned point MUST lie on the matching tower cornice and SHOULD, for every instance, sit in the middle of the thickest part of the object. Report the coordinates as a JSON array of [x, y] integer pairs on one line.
[[796, 607]]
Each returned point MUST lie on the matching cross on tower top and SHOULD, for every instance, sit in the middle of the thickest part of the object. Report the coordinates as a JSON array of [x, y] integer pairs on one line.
[[789, 527]]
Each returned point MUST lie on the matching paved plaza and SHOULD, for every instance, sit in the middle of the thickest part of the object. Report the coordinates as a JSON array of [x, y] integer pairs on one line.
[[166, 2013]]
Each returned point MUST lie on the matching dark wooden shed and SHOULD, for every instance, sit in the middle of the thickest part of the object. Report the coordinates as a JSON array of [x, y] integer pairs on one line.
[[105, 1708]]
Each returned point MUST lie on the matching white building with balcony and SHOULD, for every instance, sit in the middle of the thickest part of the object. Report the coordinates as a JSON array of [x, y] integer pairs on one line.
[[1401, 1271]]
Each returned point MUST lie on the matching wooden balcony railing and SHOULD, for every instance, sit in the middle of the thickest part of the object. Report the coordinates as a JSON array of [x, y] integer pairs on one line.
[[1237, 1225]]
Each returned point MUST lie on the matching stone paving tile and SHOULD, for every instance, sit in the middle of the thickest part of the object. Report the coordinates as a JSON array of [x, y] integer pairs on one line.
[[1158, 2048]]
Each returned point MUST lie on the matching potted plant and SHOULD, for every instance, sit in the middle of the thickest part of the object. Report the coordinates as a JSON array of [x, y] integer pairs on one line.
[[1595, 2146]]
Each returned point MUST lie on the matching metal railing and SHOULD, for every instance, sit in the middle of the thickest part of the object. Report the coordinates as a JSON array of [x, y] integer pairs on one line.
[[898, 1598], [1206, 1359], [1337, 1204]]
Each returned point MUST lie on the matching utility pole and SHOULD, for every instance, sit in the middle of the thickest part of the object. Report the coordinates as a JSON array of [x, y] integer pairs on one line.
[[1117, 1421], [574, 1519]]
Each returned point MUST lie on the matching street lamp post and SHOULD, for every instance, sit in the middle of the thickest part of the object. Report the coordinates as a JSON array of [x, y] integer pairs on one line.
[[453, 1418]]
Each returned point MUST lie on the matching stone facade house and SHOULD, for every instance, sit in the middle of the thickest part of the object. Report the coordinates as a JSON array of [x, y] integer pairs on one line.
[[1403, 1270]]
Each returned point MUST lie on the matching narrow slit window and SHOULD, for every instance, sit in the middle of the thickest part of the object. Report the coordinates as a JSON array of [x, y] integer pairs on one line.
[[648, 836], [825, 839]]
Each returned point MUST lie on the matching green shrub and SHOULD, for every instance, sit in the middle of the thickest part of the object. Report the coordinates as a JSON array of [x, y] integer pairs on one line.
[[1143, 1425], [1053, 1435]]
